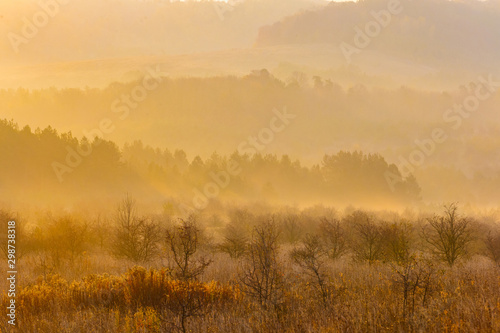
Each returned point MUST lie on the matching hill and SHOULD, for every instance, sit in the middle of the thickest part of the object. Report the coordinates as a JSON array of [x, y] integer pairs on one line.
[[449, 34]]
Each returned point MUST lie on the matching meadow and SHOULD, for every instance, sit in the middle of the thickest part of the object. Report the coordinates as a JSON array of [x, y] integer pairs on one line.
[[248, 269]]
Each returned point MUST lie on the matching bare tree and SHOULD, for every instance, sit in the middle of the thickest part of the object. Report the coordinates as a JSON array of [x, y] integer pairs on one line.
[[100, 232], [181, 245], [235, 241], [450, 235], [333, 238], [135, 238], [261, 275], [368, 237], [310, 256], [292, 230]]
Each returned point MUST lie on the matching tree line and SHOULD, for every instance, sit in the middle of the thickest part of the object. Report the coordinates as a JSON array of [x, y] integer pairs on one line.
[[33, 160]]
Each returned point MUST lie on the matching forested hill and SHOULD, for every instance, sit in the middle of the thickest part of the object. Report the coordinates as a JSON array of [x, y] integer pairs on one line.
[[433, 32], [34, 163], [202, 115]]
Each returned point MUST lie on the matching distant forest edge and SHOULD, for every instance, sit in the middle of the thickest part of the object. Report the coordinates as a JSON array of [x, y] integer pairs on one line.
[[203, 115], [432, 32], [42, 164]]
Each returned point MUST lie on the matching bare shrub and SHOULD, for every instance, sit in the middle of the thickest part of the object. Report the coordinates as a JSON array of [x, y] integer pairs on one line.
[[67, 238], [414, 274], [60, 241], [311, 256], [262, 276], [181, 245], [416, 277]]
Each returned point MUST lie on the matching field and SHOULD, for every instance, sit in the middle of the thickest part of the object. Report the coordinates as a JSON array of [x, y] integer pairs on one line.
[[309, 271]]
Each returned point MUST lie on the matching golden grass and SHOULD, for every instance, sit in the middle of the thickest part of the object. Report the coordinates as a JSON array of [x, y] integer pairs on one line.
[[364, 298]]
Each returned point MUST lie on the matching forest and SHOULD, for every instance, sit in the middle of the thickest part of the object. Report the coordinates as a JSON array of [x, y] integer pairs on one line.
[[64, 165], [205, 115]]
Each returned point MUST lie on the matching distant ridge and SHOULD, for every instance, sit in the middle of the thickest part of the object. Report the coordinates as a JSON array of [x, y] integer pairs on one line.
[[435, 32]]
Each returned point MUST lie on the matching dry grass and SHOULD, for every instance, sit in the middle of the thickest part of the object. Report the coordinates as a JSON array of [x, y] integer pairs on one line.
[[363, 298], [274, 286]]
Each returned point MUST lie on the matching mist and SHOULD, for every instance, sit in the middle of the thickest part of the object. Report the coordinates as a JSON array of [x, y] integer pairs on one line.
[[250, 165]]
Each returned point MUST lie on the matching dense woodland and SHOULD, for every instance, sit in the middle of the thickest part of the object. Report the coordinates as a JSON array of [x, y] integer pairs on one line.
[[64, 165]]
